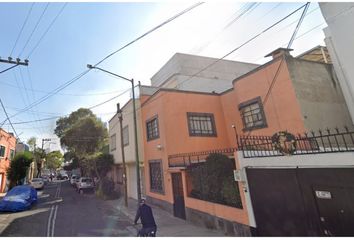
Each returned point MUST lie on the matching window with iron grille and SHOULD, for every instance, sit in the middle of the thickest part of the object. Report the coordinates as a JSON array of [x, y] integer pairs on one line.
[[113, 145], [126, 136], [2, 151], [152, 129], [156, 176], [201, 124], [252, 114], [12, 154]]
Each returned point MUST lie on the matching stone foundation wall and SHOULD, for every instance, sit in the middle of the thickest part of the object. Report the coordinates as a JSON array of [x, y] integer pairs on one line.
[[212, 222]]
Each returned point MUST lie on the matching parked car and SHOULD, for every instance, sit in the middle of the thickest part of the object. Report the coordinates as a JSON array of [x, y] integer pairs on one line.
[[85, 184], [64, 176], [72, 179], [19, 198], [37, 183]]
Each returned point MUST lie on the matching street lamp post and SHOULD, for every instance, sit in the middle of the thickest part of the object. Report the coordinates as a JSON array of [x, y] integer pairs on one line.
[[135, 126], [120, 117]]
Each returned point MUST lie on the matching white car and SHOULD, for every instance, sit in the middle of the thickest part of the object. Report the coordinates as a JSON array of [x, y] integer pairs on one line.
[[37, 183], [84, 183]]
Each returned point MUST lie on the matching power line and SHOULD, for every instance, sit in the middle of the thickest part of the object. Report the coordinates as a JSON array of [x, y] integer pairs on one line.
[[62, 94], [86, 71], [150, 31], [272, 84], [34, 29], [23, 26], [47, 30], [7, 69], [7, 116], [55, 117], [97, 105]]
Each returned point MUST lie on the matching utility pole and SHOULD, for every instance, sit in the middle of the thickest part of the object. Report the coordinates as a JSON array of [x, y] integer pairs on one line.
[[16, 62], [120, 117], [40, 161]]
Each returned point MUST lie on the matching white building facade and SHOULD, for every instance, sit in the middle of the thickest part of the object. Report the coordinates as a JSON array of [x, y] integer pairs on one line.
[[339, 40]]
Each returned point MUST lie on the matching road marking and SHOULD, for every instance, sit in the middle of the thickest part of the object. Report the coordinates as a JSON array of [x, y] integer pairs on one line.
[[49, 220], [53, 214], [54, 218]]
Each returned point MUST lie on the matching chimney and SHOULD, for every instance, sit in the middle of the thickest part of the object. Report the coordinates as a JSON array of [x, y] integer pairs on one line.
[[280, 52]]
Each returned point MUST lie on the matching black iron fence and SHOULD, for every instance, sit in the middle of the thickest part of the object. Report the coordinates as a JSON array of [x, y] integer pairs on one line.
[[187, 159], [328, 141]]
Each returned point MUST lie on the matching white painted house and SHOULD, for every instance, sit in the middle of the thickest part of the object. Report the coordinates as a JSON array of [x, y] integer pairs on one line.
[[339, 40]]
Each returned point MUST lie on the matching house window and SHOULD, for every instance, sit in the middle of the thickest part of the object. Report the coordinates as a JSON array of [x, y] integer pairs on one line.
[[252, 114], [156, 176], [201, 124], [12, 154], [113, 142], [152, 129], [126, 135], [2, 151]]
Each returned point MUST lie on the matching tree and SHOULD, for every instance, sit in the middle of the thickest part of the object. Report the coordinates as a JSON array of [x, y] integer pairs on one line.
[[32, 143], [65, 123], [83, 135], [18, 168], [54, 160]]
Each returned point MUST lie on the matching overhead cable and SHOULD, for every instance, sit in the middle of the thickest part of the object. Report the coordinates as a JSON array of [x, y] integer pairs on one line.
[[23, 26]]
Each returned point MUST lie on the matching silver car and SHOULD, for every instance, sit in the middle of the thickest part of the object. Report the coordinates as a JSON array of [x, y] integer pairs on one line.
[[37, 183], [84, 184]]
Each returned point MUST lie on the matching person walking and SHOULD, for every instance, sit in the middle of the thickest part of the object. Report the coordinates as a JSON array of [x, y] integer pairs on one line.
[[144, 212]]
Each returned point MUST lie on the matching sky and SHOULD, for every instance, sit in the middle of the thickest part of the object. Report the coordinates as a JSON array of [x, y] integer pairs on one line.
[[59, 39]]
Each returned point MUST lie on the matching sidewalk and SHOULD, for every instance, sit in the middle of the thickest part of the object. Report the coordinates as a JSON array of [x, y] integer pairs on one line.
[[167, 224]]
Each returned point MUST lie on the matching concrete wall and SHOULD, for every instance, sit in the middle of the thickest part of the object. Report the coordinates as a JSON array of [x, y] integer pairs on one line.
[[319, 94], [217, 77], [339, 40]]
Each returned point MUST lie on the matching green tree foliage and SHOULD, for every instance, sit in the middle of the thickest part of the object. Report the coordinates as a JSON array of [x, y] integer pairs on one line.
[[84, 136], [54, 160], [18, 168], [213, 181], [66, 123], [32, 143]]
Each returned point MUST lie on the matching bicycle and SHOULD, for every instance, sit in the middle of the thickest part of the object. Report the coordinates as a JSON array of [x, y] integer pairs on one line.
[[146, 232]]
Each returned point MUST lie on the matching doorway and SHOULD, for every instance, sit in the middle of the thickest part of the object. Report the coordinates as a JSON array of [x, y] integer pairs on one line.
[[178, 196]]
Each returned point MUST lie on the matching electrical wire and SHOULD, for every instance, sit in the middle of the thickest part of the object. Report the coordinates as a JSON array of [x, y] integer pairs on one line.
[[7, 69], [108, 56], [34, 29], [23, 26], [61, 94], [47, 30], [7, 116], [150, 31]]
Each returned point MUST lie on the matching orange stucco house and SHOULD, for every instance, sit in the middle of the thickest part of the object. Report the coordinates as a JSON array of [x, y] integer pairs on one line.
[[7, 152], [271, 98]]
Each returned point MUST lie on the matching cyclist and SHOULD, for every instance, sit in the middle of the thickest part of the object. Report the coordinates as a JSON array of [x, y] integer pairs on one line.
[[147, 220]]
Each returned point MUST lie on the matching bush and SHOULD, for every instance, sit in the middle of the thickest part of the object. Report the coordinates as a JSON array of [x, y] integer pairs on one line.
[[18, 168], [213, 181]]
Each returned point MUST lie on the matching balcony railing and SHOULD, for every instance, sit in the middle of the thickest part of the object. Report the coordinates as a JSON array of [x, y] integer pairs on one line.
[[308, 143], [187, 159]]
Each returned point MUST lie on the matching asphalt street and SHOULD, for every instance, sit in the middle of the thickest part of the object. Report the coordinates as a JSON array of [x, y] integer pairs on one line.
[[62, 212]]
